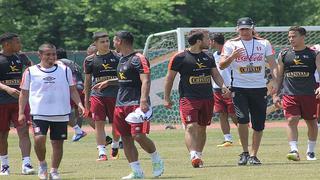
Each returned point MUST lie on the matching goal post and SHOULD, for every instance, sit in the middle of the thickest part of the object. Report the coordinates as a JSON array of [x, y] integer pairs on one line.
[[160, 47]]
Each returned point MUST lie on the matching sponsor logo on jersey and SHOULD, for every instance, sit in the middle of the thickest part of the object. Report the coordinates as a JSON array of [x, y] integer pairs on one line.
[[11, 82], [200, 79], [250, 69], [297, 61], [14, 69], [122, 76], [253, 58], [200, 65], [297, 74], [49, 79], [106, 66], [103, 78]]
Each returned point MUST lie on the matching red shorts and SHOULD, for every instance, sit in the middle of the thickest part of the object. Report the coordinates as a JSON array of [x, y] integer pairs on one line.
[[102, 107], [303, 106], [81, 94], [196, 110], [222, 105], [10, 113], [123, 128]]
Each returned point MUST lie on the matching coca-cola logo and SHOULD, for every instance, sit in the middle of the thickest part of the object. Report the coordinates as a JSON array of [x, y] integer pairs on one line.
[[254, 57]]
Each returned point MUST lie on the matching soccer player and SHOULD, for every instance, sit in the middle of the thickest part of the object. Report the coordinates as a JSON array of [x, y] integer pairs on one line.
[[297, 66], [48, 87], [102, 66], [133, 108], [223, 106], [195, 88], [77, 78], [246, 55], [12, 63]]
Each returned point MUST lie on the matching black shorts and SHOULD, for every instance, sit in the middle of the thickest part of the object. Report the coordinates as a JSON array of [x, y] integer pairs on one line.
[[253, 101], [58, 130]]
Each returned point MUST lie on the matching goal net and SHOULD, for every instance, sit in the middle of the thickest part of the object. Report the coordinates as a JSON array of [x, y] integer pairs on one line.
[[160, 47]]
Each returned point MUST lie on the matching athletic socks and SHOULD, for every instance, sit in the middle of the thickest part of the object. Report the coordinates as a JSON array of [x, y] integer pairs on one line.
[[155, 157], [26, 160], [4, 160], [77, 129], [293, 145], [135, 166], [115, 144], [101, 149], [228, 137], [311, 146]]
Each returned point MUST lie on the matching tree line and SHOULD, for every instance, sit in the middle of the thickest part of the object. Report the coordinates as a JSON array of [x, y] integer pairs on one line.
[[70, 23]]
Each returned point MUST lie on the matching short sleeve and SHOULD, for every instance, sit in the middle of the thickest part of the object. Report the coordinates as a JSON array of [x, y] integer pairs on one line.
[[25, 81], [227, 49], [175, 62], [87, 66], [269, 49], [25, 60], [141, 64]]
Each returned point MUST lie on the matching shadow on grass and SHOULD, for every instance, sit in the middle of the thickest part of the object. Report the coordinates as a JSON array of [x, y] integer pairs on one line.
[[263, 164]]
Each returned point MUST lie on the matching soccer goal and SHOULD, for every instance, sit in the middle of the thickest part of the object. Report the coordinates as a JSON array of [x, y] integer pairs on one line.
[[160, 47]]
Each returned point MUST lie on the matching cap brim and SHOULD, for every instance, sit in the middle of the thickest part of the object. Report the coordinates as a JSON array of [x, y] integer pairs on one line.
[[245, 27]]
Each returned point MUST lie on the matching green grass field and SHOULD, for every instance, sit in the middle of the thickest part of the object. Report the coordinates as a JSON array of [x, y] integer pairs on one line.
[[79, 160]]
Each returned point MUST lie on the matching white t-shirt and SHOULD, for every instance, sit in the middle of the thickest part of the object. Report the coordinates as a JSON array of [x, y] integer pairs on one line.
[[248, 71], [225, 73], [49, 92], [316, 74]]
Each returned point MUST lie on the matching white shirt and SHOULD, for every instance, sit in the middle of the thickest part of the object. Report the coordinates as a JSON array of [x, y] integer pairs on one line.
[[248, 71], [49, 92], [316, 74], [225, 73]]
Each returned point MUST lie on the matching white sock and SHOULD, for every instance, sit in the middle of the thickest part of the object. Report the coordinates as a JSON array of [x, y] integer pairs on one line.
[[228, 137], [4, 160], [53, 170], [135, 166], [115, 144], [101, 149], [293, 145], [193, 154], [155, 157], [311, 146], [199, 154], [77, 129], [26, 160]]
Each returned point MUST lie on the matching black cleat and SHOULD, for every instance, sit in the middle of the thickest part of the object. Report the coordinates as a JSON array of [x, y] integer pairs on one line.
[[243, 158], [108, 140], [253, 160], [120, 145]]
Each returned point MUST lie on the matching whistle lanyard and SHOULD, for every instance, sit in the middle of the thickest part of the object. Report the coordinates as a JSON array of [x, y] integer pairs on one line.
[[249, 57]]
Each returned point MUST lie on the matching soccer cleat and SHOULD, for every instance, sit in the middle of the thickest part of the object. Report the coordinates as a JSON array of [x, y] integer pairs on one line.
[[27, 169], [54, 176], [243, 158], [108, 140], [115, 153], [253, 160], [197, 163], [311, 156], [42, 172], [77, 137], [293, 155], [102, 157], [4, 170], [157, 168], [225, 144], [134, 175]]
